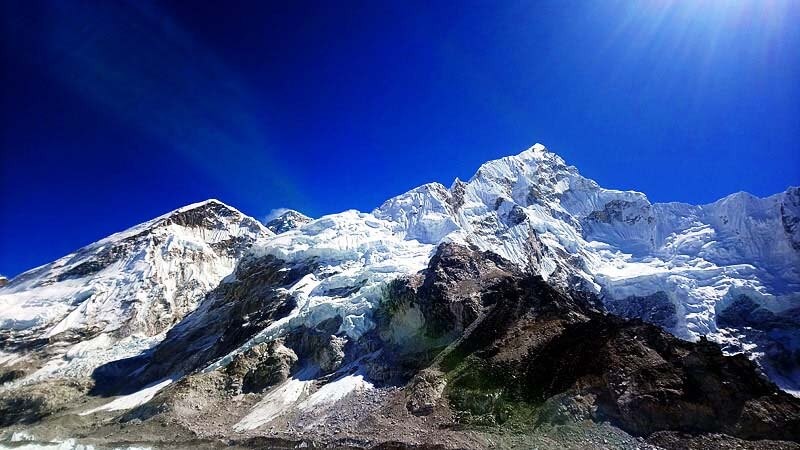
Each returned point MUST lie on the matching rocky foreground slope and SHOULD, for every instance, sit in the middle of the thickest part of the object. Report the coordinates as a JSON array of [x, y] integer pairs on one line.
[[525, 307]]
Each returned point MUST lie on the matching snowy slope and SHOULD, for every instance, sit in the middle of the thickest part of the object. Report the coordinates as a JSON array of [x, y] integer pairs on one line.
[[119, 295]]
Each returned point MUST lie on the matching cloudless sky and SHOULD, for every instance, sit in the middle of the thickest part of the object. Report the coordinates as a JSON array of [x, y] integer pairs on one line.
[[116, 112]]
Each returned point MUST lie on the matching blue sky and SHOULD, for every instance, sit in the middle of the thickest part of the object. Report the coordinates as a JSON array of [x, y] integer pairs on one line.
[[116, 112]]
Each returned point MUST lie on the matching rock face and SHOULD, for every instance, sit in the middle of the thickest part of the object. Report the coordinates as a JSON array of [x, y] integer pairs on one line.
[[229, 316], [647, 381], [447, 295]]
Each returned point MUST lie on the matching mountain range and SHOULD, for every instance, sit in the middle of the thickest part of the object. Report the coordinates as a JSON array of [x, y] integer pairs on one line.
[[527, 306]]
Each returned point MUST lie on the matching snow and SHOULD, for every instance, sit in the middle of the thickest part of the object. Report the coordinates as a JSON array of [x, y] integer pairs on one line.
[[20, 436], [131, 400], [69, 444], [49, 297], [297, 393], [334, 391], [37, 306], [277, 401]]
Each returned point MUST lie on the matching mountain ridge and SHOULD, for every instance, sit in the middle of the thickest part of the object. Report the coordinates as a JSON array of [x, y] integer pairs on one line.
[[307, 307]]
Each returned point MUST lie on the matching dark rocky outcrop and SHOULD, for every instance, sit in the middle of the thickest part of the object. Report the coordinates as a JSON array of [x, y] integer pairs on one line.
[[210, 215], [101, 260], [515, 344], [450, 294], [320, 345], [260, 367], [645, 380], [744, 312]]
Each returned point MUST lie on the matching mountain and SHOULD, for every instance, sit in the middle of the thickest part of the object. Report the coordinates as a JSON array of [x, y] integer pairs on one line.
[[673, 264], [527, 299], [118, 296], [289, 220]]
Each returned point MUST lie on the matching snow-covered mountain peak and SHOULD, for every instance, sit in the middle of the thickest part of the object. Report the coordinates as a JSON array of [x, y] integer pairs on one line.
[[210, 214], [288, 220], [535, 153], [526, 164], [126, 290]]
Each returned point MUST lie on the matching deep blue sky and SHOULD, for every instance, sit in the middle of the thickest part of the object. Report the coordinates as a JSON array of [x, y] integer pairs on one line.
[[116, 112]]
